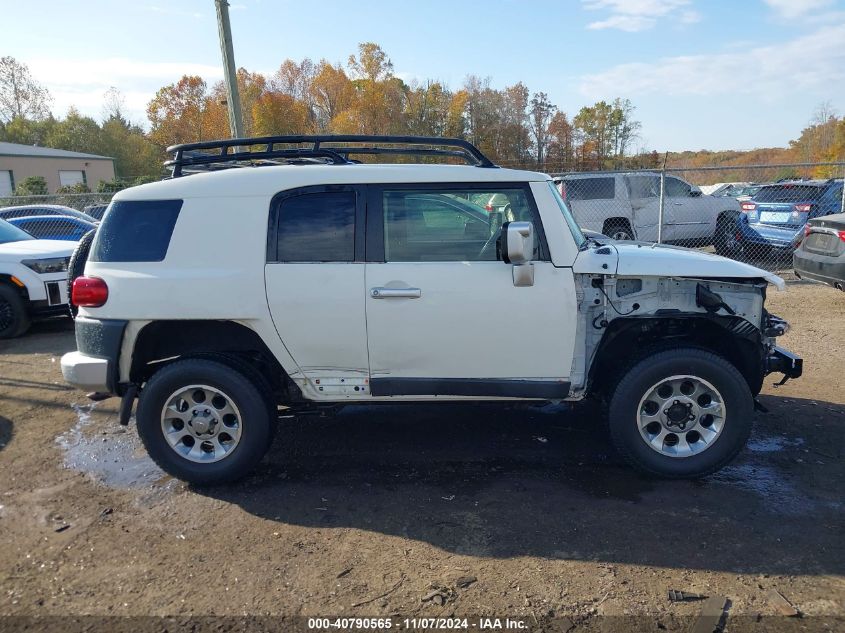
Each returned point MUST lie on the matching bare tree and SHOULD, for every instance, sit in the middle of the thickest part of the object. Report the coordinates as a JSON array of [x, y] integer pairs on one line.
[[20, 95], [114, 104], [542, 111]]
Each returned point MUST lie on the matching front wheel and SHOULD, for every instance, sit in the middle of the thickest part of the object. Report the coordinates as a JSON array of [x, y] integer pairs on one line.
[[204, 421], [14, 316], [681, 413]]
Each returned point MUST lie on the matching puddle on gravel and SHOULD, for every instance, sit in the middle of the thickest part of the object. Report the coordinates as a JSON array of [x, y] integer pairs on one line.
[[773, 444], [113, 456], [755, 472]]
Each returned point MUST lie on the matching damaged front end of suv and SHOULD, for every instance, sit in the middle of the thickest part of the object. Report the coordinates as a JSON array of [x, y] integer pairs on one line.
[[624, 314]]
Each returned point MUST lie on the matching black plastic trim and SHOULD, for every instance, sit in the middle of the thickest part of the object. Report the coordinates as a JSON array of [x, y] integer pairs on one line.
[[784, 362], [484, 387], [102, 338]]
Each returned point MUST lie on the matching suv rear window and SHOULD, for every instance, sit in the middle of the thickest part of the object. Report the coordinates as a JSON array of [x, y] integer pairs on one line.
[[590, 188], [136, 231], [317, 227], [788, 193]]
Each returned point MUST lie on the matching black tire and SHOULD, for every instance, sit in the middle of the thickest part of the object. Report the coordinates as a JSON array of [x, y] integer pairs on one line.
[[76, 265], [254, 404], [623, 413], [618, 230], [725, 239], [14, 315]]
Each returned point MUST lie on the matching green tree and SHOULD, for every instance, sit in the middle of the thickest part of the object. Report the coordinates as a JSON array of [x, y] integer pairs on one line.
[[32, 186], [76, 133]]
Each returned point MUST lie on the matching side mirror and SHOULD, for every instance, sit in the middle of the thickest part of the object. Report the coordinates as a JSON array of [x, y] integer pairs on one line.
[[518, 250], [695, 192], [519, 242]]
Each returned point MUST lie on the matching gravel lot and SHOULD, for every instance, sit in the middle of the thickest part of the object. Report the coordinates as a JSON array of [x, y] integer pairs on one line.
[[427, 511]]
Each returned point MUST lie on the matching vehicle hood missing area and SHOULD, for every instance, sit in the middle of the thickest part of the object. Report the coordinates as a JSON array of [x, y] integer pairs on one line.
[[640, 259]]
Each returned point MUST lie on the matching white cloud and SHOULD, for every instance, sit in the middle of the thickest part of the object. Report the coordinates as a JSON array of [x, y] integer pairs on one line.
[[791, 9], [768, 73], [83, 82], [639, 15]]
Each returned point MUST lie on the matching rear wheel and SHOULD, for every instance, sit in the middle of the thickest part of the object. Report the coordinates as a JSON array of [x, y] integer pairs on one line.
[[14, 316], [681, 413], [619, 230], [726, 240], [204, 422]]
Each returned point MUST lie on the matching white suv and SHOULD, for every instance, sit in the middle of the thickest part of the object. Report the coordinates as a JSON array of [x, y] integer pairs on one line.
[[215, 298], [33, 279], [626, 206]]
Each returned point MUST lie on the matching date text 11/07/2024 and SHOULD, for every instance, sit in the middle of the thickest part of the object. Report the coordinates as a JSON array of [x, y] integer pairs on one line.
[[411, 624]]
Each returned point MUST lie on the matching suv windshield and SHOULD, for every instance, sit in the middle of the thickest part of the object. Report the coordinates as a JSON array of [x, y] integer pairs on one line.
[[567, 215], [9, 233], [788, 193]]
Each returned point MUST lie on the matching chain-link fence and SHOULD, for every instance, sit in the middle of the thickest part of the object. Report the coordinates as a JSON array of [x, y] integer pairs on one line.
[[754, 213], [55, 217]]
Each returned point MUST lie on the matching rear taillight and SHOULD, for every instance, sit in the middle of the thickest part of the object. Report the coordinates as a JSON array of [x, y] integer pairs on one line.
[[807, 230], [842, 235], [89, 292], [745, 207], [803, 208], [562, 189], [488, 208]]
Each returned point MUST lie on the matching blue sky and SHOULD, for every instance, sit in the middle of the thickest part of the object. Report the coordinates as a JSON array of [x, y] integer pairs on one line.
[[703, 74]]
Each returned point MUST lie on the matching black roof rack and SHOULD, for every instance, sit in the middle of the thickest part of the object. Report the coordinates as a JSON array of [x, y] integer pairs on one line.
[[328, 148]]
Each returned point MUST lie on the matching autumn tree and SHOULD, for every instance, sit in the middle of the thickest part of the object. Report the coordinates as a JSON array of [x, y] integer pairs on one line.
[[331, 93], [21, 96], [178, 111], [275, 113], [561, 140], [427, 109], [379, 94]]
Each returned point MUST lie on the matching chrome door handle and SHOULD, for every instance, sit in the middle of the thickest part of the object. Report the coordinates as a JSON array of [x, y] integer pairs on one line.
[[395, 293], [678, 204]]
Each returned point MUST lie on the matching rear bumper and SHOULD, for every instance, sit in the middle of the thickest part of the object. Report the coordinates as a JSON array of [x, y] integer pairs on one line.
[[769, 235], [827, 268], [95, 365], [784, 362], [86, 372]]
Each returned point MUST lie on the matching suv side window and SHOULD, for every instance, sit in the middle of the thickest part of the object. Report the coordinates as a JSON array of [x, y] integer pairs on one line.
[[590, 188], [676, 188], [643, 186], [316, 227], [449, 224]]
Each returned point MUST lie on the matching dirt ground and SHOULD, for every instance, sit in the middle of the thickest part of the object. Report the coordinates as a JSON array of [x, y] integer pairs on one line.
[[427, 511]]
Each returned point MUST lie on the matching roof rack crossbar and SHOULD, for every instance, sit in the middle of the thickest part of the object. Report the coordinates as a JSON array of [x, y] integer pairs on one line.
[[235, 149]]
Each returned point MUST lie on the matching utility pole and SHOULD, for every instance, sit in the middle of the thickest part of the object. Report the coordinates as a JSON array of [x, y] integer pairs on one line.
[[233, 99]]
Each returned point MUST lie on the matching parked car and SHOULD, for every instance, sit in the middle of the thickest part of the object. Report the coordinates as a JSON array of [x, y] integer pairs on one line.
[[776, 216], [96, 211], [215, 297], [723, 189], [33, 279], [821, 255], [746, 193], [54, 227], [625, 206], [7, 213]]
